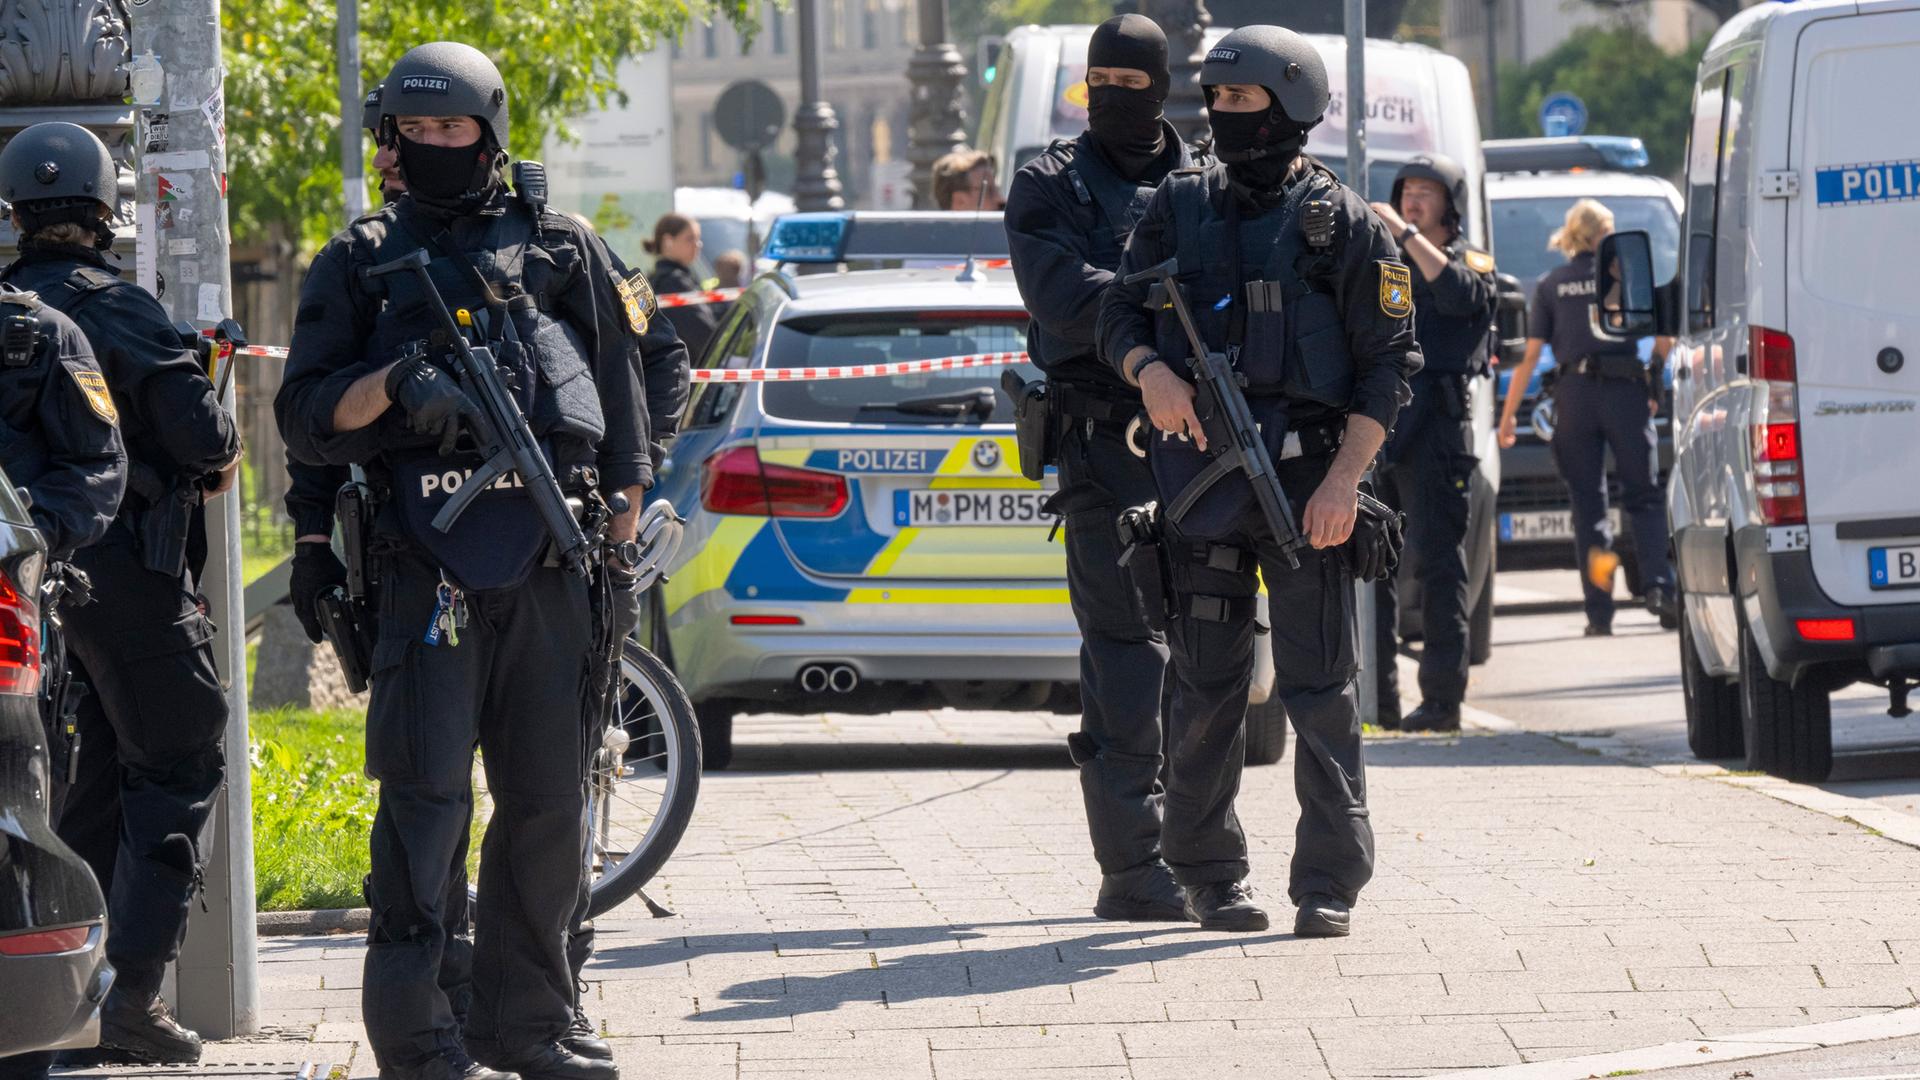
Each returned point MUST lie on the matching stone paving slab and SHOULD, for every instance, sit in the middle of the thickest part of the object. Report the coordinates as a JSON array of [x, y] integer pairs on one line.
[[907, 896]]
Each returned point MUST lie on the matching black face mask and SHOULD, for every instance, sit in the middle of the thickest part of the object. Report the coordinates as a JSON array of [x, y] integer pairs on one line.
[[1258, 147], [447, 176], [1126, 125]]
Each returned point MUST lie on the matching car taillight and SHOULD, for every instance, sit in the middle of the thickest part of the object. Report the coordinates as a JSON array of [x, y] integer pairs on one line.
[[19, 640], [1779, 478], [45, 942], [736, 481], [1825, 629]]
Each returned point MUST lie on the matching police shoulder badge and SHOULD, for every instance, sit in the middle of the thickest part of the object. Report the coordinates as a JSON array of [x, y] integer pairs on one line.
[[93, 387], [1396, 290], [636, 297], [1479, 261]]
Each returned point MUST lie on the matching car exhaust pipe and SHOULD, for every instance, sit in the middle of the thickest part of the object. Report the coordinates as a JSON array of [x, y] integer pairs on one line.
[[814, 678], [843, 679]]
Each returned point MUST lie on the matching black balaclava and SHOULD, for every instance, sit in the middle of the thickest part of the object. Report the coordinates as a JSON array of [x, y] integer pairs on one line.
[[1126, 124], [455, 178], [1258, 147]]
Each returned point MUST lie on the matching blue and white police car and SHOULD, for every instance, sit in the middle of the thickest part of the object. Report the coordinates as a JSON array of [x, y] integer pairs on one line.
[[863, 544]]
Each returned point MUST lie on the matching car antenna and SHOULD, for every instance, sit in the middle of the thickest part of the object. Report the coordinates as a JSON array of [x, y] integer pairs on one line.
[[970, 274]]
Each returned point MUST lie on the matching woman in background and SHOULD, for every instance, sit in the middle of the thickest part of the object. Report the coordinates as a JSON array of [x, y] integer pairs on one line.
[[675, 245]]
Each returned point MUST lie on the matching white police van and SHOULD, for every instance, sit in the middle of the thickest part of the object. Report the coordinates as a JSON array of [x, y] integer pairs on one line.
[[1794, 501]]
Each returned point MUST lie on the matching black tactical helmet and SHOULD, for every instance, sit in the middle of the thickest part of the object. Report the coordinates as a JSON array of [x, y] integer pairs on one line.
[[370, 113], [1282, 61], [1440, 169], [446, 78], [59, 164]]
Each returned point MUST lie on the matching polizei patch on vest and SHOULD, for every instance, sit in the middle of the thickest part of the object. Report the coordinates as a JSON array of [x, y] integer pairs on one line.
[[1396, 290], [426, 84], [636, 298], [1223, 56], [93, 386]]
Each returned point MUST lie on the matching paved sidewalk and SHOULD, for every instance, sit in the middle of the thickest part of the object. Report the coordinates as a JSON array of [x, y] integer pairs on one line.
[[907, 896]]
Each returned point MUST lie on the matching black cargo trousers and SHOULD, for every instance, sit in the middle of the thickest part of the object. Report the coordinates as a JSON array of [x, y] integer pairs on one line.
[[515, 686], [1314, 651], [151, 726], [1122, 663], [1429, 475]]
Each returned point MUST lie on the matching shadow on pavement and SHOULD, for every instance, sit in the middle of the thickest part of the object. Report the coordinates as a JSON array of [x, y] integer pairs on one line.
[[825, 756]]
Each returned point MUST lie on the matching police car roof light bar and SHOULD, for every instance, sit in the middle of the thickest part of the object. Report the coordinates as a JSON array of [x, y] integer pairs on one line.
[[505, 440], [1622, 153], [829, 237]]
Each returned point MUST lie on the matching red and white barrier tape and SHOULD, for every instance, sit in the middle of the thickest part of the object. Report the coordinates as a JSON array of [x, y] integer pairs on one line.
[[800, 374], [694, 299]]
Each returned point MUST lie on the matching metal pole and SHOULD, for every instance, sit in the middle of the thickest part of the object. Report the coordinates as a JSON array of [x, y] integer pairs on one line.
[[937, 124], [1364, 592], [352, 161], [218, 991], [1493, 70], [816, 186]]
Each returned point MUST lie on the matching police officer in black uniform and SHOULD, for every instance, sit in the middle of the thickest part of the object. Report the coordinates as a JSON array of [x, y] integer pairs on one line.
[[1427, 467], [1604, 398], [1068, 217], [481, 639], [59, 429], [150, 732], [1325, 373]]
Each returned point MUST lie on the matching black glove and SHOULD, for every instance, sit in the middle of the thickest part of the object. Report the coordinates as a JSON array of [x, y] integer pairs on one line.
[[315, 570], [432, 400], [626, 598], [1373, 551]]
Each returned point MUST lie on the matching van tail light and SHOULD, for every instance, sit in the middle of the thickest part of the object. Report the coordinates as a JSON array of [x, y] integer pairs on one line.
[[1778, 473], [46, 942], [19, 640], [736, 481]]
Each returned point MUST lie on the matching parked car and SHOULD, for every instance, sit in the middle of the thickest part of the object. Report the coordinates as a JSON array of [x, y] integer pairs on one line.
[[1794, 513], [53, 965], [863, 545], [1530, 185]]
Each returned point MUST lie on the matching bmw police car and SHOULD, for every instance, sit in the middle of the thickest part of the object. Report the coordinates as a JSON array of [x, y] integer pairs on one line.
[[862, 544]]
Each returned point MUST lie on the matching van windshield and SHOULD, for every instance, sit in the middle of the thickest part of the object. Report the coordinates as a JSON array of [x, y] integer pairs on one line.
[[1521, 228], [969, 396]]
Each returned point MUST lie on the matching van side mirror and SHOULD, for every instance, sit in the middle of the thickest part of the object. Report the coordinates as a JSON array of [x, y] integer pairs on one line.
[[1510, 319], [1623, 287]]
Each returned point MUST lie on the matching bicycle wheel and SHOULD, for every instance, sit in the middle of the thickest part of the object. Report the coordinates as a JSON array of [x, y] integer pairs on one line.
[[642, 781]]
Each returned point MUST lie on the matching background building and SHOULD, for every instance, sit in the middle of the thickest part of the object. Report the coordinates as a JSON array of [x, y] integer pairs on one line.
[[864, 44]]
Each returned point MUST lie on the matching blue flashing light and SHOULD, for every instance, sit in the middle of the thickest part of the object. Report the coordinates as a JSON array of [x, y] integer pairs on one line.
[[988, 75], [819, 237], [1624, 152]]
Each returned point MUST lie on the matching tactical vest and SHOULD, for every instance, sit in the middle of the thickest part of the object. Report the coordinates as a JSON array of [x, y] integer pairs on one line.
[[1307, 359], [528, 258]]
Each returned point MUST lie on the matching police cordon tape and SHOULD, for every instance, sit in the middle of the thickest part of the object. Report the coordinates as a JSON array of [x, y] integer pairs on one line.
[[695, 299], [799, 374]]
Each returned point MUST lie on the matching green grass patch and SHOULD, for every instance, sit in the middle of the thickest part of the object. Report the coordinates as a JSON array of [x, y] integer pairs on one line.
[[255, 562], [312, 808]]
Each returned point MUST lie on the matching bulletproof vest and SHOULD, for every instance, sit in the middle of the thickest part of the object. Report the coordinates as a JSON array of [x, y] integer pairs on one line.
[[527, 259], [1297, 347], [1452, 344]]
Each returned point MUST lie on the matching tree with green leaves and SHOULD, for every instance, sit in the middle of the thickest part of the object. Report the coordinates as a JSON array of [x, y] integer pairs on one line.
[[559, 58], [1629, 85]]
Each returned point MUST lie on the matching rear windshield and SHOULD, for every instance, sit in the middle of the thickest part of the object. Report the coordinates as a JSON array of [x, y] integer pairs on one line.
[[955, 397], [1522, 227]]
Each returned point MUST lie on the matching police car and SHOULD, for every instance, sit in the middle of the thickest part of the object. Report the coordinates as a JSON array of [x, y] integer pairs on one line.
[[1530, 185], [1793, 507], [863, 544]]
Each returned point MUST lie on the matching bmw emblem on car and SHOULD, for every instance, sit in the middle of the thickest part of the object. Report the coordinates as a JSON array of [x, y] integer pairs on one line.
[[986, 455]]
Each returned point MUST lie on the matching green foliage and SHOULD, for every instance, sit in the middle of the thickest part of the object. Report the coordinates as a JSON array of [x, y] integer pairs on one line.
[[283, 109], [972, 19], [1629, 85]]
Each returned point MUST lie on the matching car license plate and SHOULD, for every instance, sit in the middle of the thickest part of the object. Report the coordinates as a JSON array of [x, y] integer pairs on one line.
[[1534, 525], [924, 507], [1894, 568]]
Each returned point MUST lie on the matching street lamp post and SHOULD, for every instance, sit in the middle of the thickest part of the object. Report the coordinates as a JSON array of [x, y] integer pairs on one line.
[[937, 124], [1493, 68], [1185, 22], [816, 186]]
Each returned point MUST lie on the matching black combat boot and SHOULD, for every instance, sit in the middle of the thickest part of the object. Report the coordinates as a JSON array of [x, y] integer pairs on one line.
[[1225, 905], [1321, 915], [1143, 894], [137, 1027], [451, 1063], [584, 1039], [549, 1061], [1661, 603], [1433, 716]]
